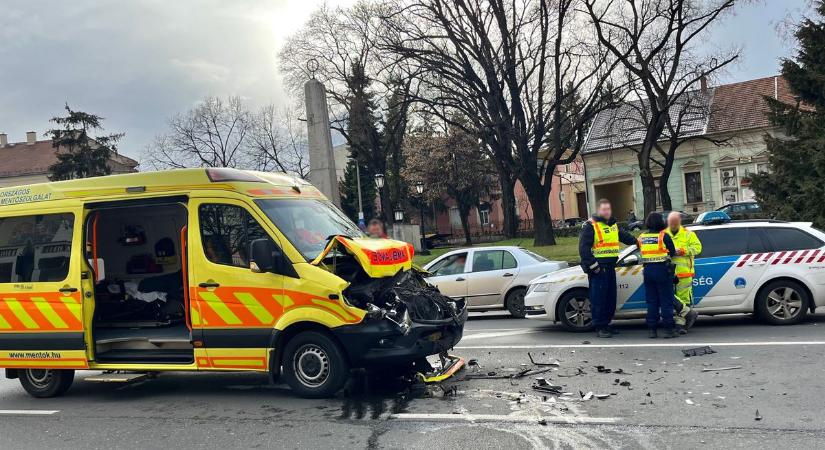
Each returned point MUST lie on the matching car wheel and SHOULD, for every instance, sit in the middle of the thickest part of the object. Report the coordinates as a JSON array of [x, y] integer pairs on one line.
[[314, 365], [574, 312], [515, 303], [783, 302], [45, 383]]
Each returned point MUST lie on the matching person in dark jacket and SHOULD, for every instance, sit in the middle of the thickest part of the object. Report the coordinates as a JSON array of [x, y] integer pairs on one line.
[[657, 249], [599, 250]]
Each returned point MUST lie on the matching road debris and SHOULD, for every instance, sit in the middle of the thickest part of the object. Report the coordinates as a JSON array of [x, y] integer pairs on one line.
[[698, 351], [689, 401], [587, 396], [757, 417], [542, 385], [552, 362], [718, 369]]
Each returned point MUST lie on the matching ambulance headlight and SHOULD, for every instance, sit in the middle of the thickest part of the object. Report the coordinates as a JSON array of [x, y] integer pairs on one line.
[[539, 287]]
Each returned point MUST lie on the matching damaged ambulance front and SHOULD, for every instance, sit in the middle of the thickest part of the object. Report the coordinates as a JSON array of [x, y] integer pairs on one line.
[[405, 318]]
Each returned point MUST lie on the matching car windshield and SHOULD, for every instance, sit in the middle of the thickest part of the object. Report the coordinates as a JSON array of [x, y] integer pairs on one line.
[[308, 224]]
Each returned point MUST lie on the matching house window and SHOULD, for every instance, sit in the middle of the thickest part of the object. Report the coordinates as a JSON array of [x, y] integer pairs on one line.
[[728, 178], [762, 167], [484, 216], [693, 187]]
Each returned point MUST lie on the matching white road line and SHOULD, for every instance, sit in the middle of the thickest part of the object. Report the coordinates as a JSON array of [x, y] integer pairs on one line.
[[501, 334], [501, 418], [648, 345], [28, 412]]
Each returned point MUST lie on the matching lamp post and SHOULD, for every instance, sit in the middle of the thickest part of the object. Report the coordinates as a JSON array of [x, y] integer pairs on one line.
[[379, 183], [399, 215], [419, 189]]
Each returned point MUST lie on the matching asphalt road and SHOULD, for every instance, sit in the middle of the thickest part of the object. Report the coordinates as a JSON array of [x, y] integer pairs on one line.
[[658, 399]]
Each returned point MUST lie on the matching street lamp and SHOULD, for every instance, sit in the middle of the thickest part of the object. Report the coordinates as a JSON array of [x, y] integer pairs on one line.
[[399, 215], [379, 183], [419, 189]]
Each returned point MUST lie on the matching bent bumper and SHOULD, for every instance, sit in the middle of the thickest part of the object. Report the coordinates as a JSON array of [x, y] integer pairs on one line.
[[378, 342]]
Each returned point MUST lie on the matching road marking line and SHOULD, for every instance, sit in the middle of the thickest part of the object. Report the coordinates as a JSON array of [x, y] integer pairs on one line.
[[502, 334], [28, 412], [501, 418], [673, 344]]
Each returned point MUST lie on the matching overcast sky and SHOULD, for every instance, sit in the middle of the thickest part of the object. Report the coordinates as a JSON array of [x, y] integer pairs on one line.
[[138, 62]]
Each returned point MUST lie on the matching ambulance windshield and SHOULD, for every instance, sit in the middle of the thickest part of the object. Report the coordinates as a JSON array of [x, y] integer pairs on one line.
[[308, 224]]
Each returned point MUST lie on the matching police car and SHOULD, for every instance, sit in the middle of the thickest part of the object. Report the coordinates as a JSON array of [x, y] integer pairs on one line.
[[771, 268]]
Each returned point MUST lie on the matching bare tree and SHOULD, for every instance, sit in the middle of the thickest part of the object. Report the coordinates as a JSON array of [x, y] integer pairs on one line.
[[656, 42], [212, 134], [449, 165], [526, 74], [278, 142]]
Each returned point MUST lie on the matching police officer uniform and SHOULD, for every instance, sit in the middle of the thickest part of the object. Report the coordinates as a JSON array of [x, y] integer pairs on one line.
[[656, 250], [688, 247], [599, 250]]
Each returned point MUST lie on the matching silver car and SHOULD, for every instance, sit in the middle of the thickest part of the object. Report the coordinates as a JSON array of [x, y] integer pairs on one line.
[[489, 277]]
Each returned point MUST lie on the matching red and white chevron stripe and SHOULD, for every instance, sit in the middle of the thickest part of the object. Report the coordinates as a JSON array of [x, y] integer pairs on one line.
[[782, 258]]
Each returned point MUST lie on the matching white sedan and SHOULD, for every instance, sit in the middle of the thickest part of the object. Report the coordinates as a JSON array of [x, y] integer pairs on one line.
[[489, 277]]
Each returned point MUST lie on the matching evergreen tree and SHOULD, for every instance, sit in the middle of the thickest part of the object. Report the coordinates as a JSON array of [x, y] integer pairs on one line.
[[794, 188], [349, 191], [79, 154]]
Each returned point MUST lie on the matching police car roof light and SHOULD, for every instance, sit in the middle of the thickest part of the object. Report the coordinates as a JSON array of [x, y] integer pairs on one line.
[[713, 218]]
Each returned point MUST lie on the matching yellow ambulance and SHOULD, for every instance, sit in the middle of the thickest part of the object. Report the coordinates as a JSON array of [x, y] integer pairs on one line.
[[206, 270]]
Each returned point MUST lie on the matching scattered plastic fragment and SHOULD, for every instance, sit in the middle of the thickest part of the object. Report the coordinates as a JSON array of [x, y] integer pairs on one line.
[[689, 401], [602, 396], [552, 362], [758, 417], [587, 396], [718, 369], [698, 351]]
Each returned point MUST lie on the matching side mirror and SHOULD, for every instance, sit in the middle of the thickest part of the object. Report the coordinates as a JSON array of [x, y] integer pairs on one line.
[[630, 260], [264, 255]]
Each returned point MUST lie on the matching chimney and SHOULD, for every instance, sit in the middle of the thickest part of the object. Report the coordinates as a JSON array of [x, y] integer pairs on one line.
[[4, 140], [703, 83], [31, 137]]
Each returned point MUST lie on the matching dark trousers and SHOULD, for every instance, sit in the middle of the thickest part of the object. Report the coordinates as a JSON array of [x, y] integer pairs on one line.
[[659, 295], [603, 295]]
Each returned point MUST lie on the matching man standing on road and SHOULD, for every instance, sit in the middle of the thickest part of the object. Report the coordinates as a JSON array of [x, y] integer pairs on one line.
[[599, 251], [687, 248]]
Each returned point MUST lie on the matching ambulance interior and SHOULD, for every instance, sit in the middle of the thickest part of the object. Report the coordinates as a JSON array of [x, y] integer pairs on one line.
[[135, 253]]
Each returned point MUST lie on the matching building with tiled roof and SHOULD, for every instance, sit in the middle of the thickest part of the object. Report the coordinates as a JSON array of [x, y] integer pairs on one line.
[[705, 175], [28, 162]]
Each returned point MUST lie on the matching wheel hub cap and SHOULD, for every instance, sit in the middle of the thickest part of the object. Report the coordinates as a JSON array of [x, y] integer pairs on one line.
[[311, 365]]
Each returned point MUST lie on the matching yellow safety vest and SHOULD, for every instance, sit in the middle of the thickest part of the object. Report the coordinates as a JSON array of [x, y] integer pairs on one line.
[[652, 246], [605, 240], [686, 240]]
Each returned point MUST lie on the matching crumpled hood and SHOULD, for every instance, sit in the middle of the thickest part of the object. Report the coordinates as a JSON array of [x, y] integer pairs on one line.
[[378, 257]]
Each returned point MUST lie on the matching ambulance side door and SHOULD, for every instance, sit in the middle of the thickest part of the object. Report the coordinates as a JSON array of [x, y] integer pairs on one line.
[[41, 302], [233, 307]]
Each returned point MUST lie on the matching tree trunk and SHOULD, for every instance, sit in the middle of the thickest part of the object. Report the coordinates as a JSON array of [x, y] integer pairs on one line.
[[648, 191], [540, 203], [508, 206], [465, 223], [664, 192]]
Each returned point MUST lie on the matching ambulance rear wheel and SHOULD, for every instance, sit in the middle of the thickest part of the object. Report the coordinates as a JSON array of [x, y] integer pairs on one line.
[[314, 365], [574, 312], [45, 383], [782, 302]]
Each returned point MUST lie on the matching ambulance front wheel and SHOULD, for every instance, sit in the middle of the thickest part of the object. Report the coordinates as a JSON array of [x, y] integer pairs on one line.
[[314, 365], [45, 383]]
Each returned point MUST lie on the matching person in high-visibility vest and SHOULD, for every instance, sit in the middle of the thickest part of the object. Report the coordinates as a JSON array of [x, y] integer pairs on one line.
[[657, 249], [599, 250], [688, 247]]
